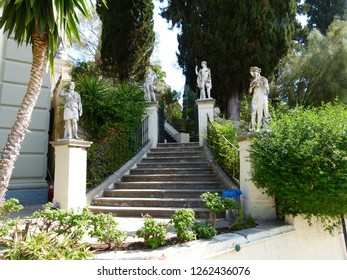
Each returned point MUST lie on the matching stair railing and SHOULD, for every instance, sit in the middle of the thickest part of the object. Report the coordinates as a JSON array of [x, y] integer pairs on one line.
[[141, 135], [234, 173]]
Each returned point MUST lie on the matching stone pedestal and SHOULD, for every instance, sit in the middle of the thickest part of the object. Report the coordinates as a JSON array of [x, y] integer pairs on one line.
[[70, 173], [205, 107], [152, 112], [256, 204]]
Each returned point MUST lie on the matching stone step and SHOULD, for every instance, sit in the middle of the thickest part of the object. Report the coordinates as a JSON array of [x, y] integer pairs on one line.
[[139, 171], [196, 164], [176, 148], [155, 212], [172, 159], [178, 153], [178, 145], [148, 202], [169, 177], [159, 193], [168, 185]]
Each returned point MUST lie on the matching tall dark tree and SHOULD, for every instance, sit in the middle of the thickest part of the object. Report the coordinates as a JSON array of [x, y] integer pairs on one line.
[[321, 13], [127, 38], [231, 36]]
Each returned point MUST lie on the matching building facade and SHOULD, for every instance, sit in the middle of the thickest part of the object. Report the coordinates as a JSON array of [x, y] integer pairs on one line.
[[29, 179]]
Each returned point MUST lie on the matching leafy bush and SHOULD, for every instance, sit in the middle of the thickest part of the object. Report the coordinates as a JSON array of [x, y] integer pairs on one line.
[[203, 231], [215, 203], [183, 220], [9, 206], [57, 234], [111, 115], [43, 246], [302, 163], [221, 139], [153, 232], [105, 228]]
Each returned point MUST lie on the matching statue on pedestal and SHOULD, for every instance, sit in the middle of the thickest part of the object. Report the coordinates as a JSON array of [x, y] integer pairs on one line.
[[72, 112], [260, 88], [150, 85], [204, 80]]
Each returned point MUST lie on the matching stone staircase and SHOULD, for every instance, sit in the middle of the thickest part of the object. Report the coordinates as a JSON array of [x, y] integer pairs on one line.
[[172, 176]]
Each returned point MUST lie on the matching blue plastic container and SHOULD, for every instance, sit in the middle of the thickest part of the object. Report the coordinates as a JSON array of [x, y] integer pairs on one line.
[[231, 193]]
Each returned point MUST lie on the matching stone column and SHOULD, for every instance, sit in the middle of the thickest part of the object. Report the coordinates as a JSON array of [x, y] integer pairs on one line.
[[205, 107], [152, 112], [256, 204], [70, 173]]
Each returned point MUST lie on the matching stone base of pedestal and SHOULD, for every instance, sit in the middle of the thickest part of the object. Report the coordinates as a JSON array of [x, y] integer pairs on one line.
[[70, 173], [255, 203], [205, 108]]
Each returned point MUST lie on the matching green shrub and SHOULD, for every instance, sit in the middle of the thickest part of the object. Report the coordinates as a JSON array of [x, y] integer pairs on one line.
[[9, 206], [222, 141], [183, 220], [215, 203], [153, 232], [111, 114], [105, 228], [203, 230], [57, 234], [44, 246], [302, 163]]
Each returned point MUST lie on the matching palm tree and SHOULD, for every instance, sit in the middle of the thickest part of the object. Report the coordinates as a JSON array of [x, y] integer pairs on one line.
[[41, 24]]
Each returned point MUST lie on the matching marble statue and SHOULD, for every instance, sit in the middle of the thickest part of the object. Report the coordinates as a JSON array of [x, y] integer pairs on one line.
[[204, 80], [150, 85], [72, 111], [260, 88]]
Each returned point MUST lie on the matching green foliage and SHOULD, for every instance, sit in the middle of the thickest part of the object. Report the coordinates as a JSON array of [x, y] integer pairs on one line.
[[302, 163], [57, 234], [70, 222], [10, 205], [231, 36], [183, 220], [153, 232], [221, 139], [43, 246], [127, 39], [316, 73], [105, 228], [172, 108], [52, 19], [203, 231], [215, 203], [111, 114], [321, 13]]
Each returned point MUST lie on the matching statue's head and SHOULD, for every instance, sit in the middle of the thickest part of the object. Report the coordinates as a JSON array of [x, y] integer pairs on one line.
[[72, 85], [204, 63], [255, 69]]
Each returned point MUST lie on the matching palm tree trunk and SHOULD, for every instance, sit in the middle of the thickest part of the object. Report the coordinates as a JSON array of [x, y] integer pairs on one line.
[[20, 127]]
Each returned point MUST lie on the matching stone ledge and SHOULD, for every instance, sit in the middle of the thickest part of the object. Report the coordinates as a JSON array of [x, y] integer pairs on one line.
[[202, 249]]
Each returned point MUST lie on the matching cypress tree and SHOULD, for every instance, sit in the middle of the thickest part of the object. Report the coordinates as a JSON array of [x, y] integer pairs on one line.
[[127, 39], [231, 36], [321, 13]]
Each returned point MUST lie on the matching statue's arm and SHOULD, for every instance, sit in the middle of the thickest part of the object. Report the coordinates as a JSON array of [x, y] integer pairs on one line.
[[196, 70]]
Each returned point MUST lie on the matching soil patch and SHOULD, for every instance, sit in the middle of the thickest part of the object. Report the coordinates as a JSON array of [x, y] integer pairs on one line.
[[140, 245]]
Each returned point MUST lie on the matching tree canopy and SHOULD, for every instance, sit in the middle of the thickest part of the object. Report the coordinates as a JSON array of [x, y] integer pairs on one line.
[[127, 38], [321, 13], [231, 36], [317, 73]]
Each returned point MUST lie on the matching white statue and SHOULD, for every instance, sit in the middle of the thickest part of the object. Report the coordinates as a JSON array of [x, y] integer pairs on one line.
[[150, 85], [260, 88], [72, 111], [204, 80]]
